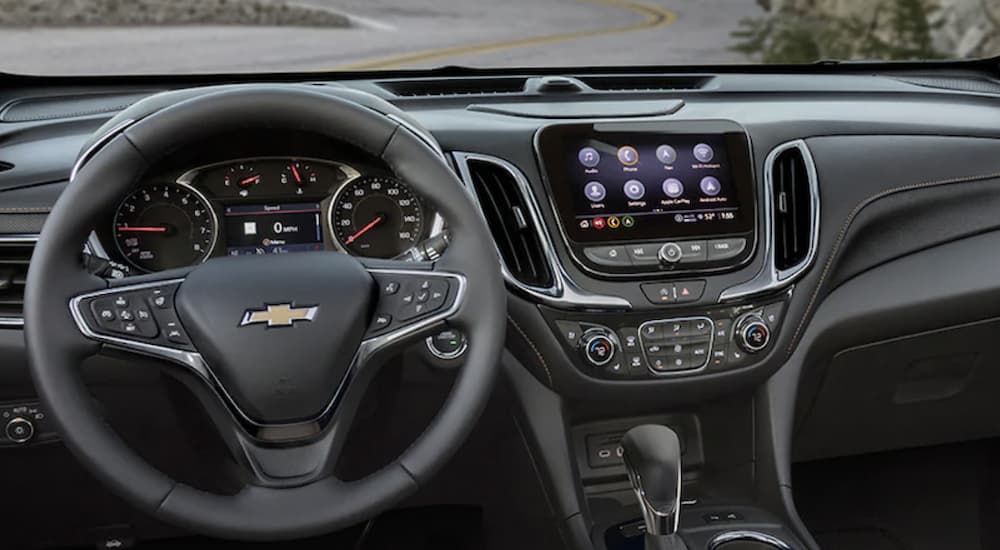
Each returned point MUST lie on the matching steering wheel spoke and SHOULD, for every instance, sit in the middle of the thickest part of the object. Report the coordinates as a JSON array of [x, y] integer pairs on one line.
[[413, 300]]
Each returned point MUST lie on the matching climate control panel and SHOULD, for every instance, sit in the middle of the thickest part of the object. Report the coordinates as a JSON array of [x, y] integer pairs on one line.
[[645, 345]]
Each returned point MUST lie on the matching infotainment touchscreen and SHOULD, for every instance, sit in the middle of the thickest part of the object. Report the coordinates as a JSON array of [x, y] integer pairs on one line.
[[620, 185]]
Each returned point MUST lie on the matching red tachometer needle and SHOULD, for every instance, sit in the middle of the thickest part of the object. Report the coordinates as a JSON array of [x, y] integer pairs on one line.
[[140, 229], [364, 230]]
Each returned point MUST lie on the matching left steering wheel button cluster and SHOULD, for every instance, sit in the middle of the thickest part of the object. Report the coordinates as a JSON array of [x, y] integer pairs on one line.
[[145, 314]]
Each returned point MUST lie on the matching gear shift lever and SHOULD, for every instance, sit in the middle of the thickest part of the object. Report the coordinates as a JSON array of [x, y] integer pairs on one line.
[[652, 456]]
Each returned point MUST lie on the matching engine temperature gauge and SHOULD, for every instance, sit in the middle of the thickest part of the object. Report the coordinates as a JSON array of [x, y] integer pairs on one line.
[[298, 174]]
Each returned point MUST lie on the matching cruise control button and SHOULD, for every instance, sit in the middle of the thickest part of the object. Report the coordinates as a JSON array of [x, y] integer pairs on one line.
[[723, 249], [693, 251], [607, 255], [643, 254], [660, 293], [121, 301], [126, 315], [689, 291]]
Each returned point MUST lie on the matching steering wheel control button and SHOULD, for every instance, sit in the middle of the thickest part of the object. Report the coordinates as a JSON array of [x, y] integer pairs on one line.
[[608, 255], [390, 287], [752, 334], [121, 301], [19, 430], [598, 346], [670, 253], [413, 297], [724, 249]]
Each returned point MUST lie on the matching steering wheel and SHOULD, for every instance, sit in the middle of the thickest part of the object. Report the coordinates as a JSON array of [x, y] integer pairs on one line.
[[285, 345]]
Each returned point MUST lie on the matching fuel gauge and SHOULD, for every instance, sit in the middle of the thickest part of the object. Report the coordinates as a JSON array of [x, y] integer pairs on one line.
[[242, 176]]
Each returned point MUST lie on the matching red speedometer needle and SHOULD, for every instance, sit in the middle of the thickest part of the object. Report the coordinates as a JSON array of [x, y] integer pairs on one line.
[[364, 230], [142, 229]]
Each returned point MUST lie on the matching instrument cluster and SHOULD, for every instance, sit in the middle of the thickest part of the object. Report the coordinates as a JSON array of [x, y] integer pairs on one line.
[[266, 205]]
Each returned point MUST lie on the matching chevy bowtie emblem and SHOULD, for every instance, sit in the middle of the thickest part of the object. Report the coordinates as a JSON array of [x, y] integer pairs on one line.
[[278, 315]]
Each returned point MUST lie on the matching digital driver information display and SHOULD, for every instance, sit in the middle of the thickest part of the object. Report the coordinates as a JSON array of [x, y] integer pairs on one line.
[[272, 228]]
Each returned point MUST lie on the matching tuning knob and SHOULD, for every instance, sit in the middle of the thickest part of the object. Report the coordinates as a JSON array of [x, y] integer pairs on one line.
[[752, 333], [20, 430], [598, 347]]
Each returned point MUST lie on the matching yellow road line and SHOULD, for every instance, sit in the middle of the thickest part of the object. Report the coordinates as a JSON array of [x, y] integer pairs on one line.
[[654, 17]]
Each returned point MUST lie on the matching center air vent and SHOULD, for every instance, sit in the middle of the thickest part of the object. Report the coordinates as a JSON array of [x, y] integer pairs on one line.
[[14, 257], [509, 220], [795, 207], [454, 86]]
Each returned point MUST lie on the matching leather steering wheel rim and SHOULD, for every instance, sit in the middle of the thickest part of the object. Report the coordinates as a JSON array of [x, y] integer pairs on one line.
[[56, 346]]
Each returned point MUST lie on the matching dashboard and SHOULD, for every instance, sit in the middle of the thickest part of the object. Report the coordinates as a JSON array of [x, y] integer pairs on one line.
[[666, 249], [264, 205]]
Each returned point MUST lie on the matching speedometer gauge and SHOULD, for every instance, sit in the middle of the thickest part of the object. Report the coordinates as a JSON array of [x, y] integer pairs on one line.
[[164, 226], [376, 217]]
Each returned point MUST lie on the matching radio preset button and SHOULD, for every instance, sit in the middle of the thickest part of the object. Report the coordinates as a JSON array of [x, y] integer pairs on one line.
[[724, 249], [670, 253], [608, 255], [693, 251], [643, 253]]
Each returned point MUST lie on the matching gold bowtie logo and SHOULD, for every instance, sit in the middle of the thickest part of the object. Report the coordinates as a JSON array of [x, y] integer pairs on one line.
[[278, 315]]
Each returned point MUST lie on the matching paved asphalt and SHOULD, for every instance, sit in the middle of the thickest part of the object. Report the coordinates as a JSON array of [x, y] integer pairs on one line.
[[402, 34]]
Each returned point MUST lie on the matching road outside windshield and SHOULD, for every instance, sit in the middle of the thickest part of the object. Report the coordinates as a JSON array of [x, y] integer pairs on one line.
[[90, 37]]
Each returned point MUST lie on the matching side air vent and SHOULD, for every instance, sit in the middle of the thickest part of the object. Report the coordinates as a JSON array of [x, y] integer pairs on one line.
[[454, 87], [509, 220], [14, 257], [795, 207], [634, 83]]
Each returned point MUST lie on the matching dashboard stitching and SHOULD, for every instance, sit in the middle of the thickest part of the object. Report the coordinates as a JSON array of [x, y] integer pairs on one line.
[[26, 209], [541, 359], [846, 226]]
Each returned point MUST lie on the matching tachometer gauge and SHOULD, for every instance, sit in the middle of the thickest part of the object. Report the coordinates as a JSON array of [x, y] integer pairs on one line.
[[164, 226], [376, 217]]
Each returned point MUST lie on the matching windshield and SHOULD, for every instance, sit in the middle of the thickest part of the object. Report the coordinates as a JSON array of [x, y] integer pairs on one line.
[[89, 37]]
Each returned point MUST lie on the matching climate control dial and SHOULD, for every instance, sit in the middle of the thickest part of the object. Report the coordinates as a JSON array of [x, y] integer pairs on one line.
[[598, 346], [752, 333]]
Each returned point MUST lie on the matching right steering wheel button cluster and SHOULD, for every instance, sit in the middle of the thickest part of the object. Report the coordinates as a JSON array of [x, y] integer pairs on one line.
[[407, 298]]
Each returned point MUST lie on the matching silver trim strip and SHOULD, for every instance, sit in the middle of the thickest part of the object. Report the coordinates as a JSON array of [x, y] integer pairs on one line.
[[563, 293], [195, 362], [101, 142], [769, 278], [708, 358], [756, 536]]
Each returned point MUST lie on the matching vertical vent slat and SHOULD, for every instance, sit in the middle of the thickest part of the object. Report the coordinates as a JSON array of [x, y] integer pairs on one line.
[[515, 235], [14, 257], [792, 209]]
